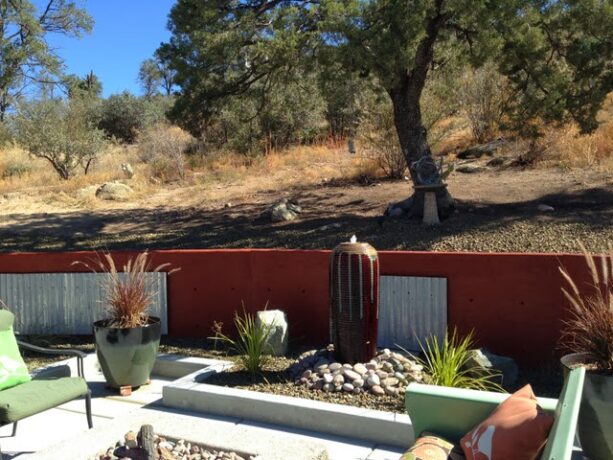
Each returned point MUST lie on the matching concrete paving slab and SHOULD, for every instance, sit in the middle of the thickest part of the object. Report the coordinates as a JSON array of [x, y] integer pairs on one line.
[[192, 427], [41, 430], [386, 453], [338, 447]]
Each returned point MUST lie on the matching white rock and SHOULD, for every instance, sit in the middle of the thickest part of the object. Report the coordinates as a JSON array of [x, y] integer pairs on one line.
[[335, 366], [360, 368], [392, 391], [328, 378], [350, 374], [545, 208], [276, 322], [338, 380], [377, 390], [348, 387], [358, 383], [115, 191], [373, 380]]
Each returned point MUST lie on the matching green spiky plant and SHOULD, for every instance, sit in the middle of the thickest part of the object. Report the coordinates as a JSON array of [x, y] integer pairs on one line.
[[251, 343], [447, 363]]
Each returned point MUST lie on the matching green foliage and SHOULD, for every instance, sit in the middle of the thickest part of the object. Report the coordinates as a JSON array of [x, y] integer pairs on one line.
[[447, 364], [556, 55], [251, 343], [153, 75], [124, 116], [482, 94], [62, 132], [88, 86], [24, 51], [6, 136]]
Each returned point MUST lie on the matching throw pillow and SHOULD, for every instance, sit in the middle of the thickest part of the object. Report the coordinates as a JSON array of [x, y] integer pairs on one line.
[[13, 370], [516, 430], [431, 447]]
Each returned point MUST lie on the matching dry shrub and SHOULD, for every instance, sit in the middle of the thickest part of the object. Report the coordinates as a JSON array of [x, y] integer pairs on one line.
[[163, 148], [127, 295], [573, 150], [590, 327]]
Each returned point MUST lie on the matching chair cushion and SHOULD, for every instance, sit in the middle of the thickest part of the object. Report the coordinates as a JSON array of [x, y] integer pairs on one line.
[[432, 447], [516, 430], [37, 396], [13, 370]]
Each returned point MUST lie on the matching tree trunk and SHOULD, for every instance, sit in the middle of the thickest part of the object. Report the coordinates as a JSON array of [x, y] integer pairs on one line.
[[413, 140]]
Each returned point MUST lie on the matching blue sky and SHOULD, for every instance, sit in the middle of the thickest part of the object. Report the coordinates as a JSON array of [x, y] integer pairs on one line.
[[125, 33]]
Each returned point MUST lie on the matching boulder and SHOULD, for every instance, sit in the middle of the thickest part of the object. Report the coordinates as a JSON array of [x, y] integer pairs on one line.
[[503, 365], [115, 191], [276, 320], [469, 169], [284, 210], [478, 151]]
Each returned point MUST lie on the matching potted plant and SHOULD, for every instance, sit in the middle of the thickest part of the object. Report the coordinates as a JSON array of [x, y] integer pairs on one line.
[[588, 336], [127, 340]]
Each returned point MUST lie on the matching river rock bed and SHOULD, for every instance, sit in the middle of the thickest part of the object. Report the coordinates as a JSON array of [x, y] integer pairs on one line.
[[130, 448], [387, 373]]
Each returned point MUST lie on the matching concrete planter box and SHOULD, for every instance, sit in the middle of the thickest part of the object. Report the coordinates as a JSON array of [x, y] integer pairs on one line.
[[189, 393]]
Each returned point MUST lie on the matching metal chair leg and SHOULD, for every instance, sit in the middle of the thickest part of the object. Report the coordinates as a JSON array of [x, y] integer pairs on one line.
[[14, 430], [88, 409]]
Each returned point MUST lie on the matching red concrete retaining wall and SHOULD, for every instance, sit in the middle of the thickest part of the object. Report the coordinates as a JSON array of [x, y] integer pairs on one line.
[[513, 302]]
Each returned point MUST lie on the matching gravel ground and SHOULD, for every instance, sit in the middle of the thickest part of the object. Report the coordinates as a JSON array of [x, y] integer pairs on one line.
[[497, 211]]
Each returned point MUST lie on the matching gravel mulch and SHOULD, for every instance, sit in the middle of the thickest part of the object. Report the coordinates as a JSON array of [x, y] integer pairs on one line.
[[275, 379]]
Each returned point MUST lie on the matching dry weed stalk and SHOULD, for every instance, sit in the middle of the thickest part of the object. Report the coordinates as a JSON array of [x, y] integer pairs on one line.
[[590, 327], [127, 297]]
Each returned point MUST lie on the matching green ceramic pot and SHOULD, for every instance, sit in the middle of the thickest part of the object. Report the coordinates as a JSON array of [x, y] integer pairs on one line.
[[595, 425], [127, 355]]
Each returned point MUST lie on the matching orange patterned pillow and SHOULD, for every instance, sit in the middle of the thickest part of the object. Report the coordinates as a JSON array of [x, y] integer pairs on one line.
[[516, 430]]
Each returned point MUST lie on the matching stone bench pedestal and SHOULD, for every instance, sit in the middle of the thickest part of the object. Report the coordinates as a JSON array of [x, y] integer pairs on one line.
[[430, 214]]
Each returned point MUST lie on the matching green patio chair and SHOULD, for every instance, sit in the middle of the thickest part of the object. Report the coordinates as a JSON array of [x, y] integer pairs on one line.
[[453, 412], [46, 390]]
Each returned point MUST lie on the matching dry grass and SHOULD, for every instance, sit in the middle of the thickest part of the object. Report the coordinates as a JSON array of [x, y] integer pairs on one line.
[[590, 328]]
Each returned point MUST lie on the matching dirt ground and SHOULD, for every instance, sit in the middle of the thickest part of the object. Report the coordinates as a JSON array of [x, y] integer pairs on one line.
[[497, 210]]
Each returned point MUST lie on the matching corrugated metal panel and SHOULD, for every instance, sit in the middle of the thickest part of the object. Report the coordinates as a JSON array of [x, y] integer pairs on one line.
[[411, 309], [67, 303]]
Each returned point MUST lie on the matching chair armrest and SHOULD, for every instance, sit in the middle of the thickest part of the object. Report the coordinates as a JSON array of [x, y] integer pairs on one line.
[[453, 412], [52, 351]]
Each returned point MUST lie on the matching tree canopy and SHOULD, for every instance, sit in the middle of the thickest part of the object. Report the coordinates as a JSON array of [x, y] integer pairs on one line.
[[25, 55], [557, 55]]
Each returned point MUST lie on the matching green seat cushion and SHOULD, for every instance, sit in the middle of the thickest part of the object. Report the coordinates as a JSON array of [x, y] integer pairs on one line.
[[37, 396], [13, 370]]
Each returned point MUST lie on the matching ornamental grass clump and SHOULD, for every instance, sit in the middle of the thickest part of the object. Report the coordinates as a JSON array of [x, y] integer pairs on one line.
[[448, 363], [251, 344], [590, 327], [127, 296]]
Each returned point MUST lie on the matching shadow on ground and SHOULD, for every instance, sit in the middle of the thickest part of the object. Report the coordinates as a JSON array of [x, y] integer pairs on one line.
[[330, 216]]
